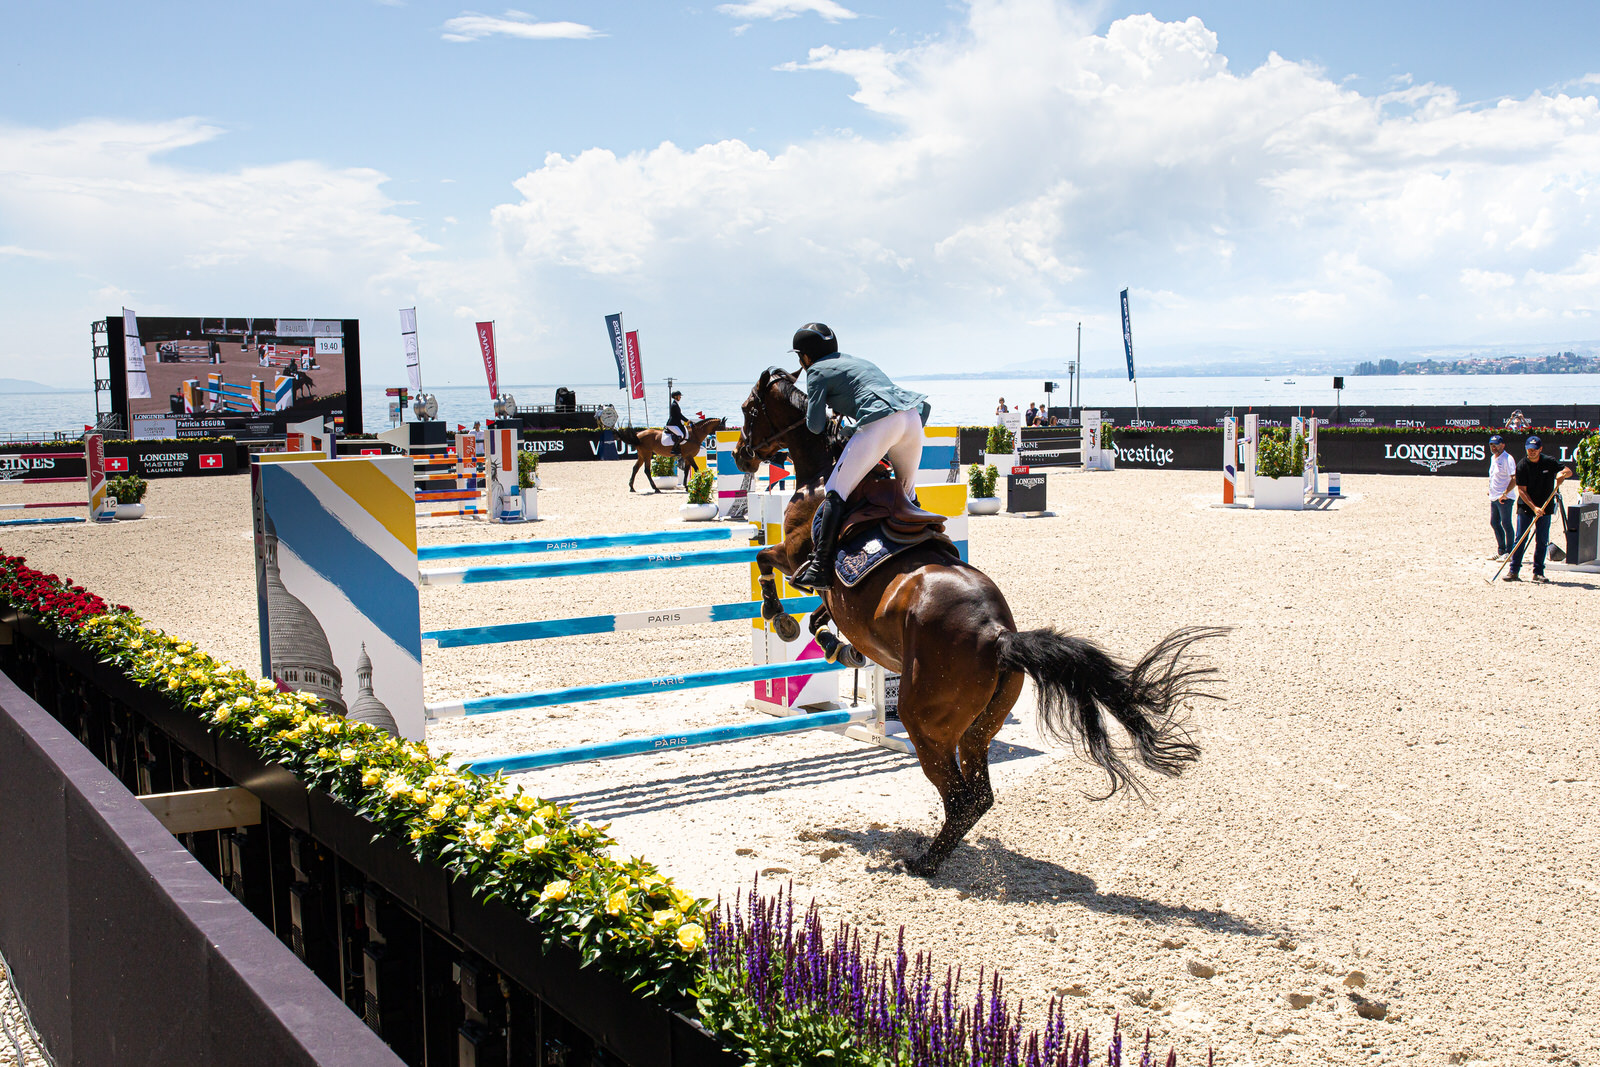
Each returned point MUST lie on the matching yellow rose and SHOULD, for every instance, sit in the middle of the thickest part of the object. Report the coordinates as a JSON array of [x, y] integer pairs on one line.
[[347, 754], [486, 839], [534, 843], [691, 936], [396, 784], [665, 917], [260, 721], [419, 796], [371, 777], [556, 890], [221, 715], [266, 685], [526, 802], [462, 810], [548, 812], [617, 903], [438, 811]]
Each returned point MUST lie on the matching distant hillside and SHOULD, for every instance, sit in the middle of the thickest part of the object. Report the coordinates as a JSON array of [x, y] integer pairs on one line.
[[22, 385]]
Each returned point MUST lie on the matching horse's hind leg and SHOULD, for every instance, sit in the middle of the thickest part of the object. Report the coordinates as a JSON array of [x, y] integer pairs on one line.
[[635, 472], [937, 723], [975, 742]]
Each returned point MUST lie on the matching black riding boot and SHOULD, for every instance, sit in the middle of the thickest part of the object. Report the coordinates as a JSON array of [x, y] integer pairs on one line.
[[818, 571]]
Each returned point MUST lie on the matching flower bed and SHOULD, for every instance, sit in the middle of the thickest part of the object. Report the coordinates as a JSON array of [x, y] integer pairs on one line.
[[775, 989]]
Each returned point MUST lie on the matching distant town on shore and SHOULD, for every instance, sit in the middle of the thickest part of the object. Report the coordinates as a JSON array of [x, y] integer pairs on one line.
[[1560, 363]]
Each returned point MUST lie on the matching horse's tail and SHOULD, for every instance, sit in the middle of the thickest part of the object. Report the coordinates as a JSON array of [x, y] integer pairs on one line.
[[1080, 683]]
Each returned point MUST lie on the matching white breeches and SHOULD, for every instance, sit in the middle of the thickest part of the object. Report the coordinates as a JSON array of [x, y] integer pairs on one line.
[[898, 436]]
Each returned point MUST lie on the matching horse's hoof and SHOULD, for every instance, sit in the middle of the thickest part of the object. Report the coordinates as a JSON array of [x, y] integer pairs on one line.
[[922, 865], [786, 627]]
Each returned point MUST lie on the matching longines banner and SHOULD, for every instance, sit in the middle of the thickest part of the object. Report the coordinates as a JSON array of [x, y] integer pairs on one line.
[[153, 459]]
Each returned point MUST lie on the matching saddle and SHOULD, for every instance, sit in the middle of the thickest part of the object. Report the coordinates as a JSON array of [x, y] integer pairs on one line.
[[879, 500], [879, 524]]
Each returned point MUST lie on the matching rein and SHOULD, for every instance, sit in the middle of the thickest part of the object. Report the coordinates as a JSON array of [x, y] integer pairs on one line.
[[777, 436]]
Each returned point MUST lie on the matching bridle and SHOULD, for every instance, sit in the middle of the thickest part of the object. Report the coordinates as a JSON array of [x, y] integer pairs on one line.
[[765, 448]]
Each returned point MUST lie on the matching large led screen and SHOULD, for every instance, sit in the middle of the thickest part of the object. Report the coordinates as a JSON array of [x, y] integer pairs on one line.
[[241, 377]]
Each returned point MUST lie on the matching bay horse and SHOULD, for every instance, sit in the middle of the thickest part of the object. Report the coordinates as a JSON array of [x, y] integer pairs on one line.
[[651, 444], [946, 628]]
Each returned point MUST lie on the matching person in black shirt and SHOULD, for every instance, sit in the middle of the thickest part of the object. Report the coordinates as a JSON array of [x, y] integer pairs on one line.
[[1538, 477], [676, 428]]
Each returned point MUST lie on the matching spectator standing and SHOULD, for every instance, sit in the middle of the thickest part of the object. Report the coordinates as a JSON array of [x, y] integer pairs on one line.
[[1502, 492], [1033, 413], [1001, 409], [1538, 478]]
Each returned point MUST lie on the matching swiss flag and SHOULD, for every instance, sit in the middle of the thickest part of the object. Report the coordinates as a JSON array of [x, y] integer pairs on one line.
[[116, 463], [211, 461], [372, 451]]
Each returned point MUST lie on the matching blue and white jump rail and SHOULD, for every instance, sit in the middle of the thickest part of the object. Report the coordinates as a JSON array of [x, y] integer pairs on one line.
[[863, 722]]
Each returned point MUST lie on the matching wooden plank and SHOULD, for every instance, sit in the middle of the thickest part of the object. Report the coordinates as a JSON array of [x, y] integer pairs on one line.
[[197, 810]]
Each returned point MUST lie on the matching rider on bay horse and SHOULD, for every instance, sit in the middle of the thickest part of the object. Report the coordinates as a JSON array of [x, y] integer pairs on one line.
[[889, 423]]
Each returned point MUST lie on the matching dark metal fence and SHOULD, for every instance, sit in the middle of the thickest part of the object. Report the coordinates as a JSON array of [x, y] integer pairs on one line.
[[442, 978]]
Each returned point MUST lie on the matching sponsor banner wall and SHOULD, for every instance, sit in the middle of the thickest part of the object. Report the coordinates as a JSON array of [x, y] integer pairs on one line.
[[583, 445], [154, 459], [1403, 417], [1358, 453]]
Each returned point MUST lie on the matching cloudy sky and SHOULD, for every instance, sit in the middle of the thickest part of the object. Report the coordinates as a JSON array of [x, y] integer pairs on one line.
[[952, 186]]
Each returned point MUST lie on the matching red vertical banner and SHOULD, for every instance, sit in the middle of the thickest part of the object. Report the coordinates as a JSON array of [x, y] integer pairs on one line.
[[94, 454], [635, 367], [486, 345]]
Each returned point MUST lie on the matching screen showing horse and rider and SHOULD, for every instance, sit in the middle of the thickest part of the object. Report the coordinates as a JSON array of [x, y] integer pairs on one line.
[[198, 371]]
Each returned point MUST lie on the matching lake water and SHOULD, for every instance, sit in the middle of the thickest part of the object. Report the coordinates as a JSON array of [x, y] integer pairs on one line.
[[956, 401]]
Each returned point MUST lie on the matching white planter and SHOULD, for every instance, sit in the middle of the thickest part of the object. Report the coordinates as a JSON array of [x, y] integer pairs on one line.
[[130, 511], [983, 505], [697, 512], [530, 504], [1280, 494], [1002, 461], [668, 482], [1585, 499]]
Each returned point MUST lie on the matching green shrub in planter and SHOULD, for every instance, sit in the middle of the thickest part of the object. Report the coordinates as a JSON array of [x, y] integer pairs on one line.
[[981, 479], [1588, 463], [127, 488], [663, 467], [1278, 457], [700, 486], [1108, 435], [527, 467], [1000, 441]]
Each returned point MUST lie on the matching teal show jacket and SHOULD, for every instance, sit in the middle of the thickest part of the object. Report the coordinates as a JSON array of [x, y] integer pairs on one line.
[[857, 390]]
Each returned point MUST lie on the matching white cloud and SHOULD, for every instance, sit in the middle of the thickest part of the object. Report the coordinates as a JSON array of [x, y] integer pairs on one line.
[[786, 9], [1033, 167], [471, 26]]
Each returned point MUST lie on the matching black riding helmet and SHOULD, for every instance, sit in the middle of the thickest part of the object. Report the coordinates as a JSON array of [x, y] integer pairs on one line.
[[813, 341]]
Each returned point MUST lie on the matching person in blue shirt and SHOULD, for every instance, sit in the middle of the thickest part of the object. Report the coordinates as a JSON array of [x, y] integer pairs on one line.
[[889, 423]]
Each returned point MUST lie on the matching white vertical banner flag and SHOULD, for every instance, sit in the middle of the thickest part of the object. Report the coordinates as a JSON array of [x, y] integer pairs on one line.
[[408, 337], [133, 353]]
